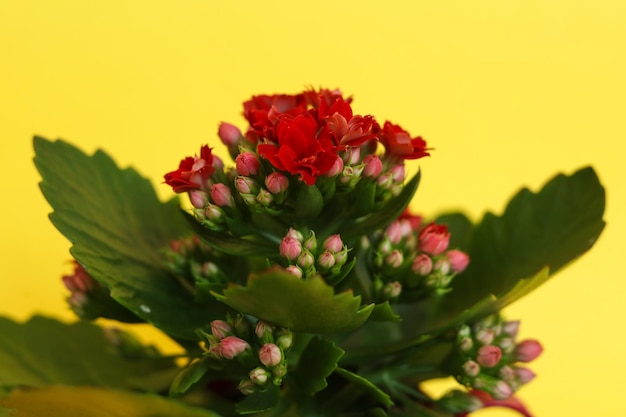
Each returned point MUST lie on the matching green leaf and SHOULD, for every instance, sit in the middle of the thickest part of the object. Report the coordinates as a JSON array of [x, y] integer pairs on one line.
[[508, 253], [45, 351], [118, 228], [460, 228], [188, 376], [309, 203], [384, 312], [382, 397], [259, 401], [318, 360], [65, 401], [309, 306]]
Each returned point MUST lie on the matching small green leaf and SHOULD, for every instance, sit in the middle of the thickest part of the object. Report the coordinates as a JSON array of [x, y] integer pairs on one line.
[[259, 401], [118, 228], [381, 396], [67, 401], [318, 360], [188, 376], [45, 351], [309, 306]]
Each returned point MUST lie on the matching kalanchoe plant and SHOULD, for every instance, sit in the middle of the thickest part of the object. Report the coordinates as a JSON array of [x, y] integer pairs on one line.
[[297, 284]]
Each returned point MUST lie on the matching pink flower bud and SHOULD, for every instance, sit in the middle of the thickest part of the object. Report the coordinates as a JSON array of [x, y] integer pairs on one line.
[[458, 260], [270, 355], [264, 198], [221, 195], [485, 336], [336, 169], [294, 270], [259, 375], [229, 134], [511, 328], [306, 260], [290, 248], [326, 260], [501, 391], [246, 185], [311, 242], [422, 265], [434, 239], [528, 350], [262, 328], [373, 166], [247, 387], [398, 173], [247, 164], [214, 213], [385, 181], [333, 243], [489, 356], [465, 344], [294, 234], [352, 155], [394, 259], [198, 198], [524, 375], [392, 289], [276, 183], [221, 329], [442, 266], [507, 374], [231, 346], [394, 232], [471, 368]]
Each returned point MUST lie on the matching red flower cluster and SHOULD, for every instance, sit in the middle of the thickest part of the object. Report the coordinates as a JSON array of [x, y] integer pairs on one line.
[[303, 134]]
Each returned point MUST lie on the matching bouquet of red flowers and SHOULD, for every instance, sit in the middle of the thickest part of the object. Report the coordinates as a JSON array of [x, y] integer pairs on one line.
[[297, 281]]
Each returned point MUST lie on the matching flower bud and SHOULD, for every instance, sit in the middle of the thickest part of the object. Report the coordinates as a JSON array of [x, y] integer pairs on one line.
[[232, 346], [306, 260], [465, 344], [485, 336], [333, 243], [310, 243], [394, 259], [294, 234], [270, 355], [263, 331], [392, 290], [352, 155], [458, 260], [489, 356], [247, 387], [221, 195], [285, 340], [246, 185], [290, 248], [398, 173], [394, 232], [434, 239], [264, 198], [442, 266], [511, 328], [198, 198], [373, 166], [501, 391], [385, 181], [247, 164], [524, 375], [294, 270], [336, 169], [221, 329], [422, 265], [259, 375], [528, 350], [326, 260], [229, 134], [276, 183], [471, 368], [214, 213]]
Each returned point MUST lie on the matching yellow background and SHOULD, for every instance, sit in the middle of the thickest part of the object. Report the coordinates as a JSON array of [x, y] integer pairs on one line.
[[509, 92]]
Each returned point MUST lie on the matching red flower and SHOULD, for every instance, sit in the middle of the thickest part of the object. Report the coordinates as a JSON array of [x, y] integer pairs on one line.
[[192, 172], [298, 150], [263, 113], [397, 141]]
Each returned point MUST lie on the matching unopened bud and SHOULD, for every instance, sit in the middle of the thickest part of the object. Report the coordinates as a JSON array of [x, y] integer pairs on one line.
[[373, 166], [214, 213], [511, 328], [458, 260], [326, 260], [524, 375], [232, 346], [221, 195], [247, 387], [528, 350], [290, 248], [247, 164], [306, 260], [336, 169], [276, 183], [471, 368], [434, 239], [489, 356], [394, 259], [259, 375], [270, 355], [229, 134], [294, 270], [422, 265], [246, 185], [310, 243], [333, 243], [285, 340], [221, 329], [485, 336], [198, 198], [264, 331]]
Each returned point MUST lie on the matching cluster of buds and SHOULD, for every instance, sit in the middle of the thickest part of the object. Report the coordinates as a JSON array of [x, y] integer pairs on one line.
[[198, 267], [255, 352], [304, 258], [413, 260], [487, 357]]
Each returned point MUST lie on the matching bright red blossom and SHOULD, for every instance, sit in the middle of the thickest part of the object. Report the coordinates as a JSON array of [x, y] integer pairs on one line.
[[192, 172], [299, 151], [397, 141]]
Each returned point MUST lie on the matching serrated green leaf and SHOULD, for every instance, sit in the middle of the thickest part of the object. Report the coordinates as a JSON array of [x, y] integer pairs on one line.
[[318, 360], [118, 228], [309, 306], [259, 401], [384, 312], [45, 351], [371, 389], [66, 401], [540, 230]]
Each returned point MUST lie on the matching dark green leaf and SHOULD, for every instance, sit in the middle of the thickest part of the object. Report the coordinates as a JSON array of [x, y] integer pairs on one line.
[[384, 312], [309, 203], [318, 360], [45, 351], [64, 401], [118, 228], [367, 386], [460, 228], [309, 306], [188, 376], [259, 401]]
